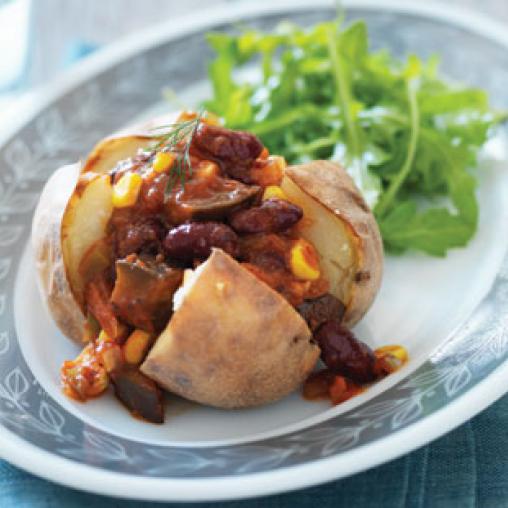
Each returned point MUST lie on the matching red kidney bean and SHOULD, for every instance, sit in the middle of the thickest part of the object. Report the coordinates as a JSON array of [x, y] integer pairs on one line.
[[344, 354], [135, 234], [272, 216], [234, 151], [195, 240]]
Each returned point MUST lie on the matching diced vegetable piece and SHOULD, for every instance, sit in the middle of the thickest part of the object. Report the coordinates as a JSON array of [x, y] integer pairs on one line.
[[84, 377], [317, 385], [304, 260], [343, 389], [98, 300], [108, 352], [136, 346], [143, 292], [126, 190], [210, 199], [139, 394], [322, 309]]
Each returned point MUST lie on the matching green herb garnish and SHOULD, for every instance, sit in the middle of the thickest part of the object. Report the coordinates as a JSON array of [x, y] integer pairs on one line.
[[178, 140], [409, 139]]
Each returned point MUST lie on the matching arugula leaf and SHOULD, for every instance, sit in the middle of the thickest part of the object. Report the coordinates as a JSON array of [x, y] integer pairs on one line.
[[409, 139], [433, 231]]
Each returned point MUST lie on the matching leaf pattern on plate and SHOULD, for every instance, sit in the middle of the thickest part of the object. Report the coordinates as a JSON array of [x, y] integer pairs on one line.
[[256, 457], [5, 266], [16, 384], [10, 234], [18, 157], [21, 202], [4, 342], [344, 439], [180, 462], [458, 380], [378, 408], [51, 417], [105, 446], [411, 410]]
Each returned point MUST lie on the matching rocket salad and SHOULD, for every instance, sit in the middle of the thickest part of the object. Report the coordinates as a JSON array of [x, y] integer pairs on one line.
[[408, 138]]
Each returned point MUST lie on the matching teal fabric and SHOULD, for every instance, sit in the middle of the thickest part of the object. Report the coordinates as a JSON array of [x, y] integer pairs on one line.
[[466, 468]]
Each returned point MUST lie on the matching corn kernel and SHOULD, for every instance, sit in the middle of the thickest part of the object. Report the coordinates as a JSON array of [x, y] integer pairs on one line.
[[274, 191], [136, 347], [163, 161], [304, 260], [389, 359], [126, 190], [398, 352]]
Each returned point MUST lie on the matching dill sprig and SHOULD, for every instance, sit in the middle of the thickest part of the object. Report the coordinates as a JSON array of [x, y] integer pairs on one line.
[[178, 140]]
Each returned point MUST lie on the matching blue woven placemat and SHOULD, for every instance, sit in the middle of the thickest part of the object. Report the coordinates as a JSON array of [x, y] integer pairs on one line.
[[466, 468]]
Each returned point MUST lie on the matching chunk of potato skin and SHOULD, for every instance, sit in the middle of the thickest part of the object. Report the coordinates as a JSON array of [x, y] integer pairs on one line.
[[232, 342], [51, 273]]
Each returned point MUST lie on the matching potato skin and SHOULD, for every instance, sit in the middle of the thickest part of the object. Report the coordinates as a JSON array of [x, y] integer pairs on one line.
[[233, 342], [46, 244], [329, 184]]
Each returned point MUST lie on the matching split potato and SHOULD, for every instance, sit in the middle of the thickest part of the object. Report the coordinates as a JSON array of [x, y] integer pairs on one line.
[[343, 230], [233, 341]]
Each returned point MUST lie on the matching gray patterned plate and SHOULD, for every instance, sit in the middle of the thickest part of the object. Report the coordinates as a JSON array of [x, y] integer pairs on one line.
[[451, 314]]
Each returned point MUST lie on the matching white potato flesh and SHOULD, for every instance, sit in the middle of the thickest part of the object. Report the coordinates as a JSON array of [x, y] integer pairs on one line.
[[84, 223], [330, 237]]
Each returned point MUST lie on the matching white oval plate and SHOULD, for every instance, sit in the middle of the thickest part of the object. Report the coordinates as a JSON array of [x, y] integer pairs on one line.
[[451, 314]]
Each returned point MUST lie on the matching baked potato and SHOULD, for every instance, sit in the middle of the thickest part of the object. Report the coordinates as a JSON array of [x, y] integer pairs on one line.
[[235, 336]]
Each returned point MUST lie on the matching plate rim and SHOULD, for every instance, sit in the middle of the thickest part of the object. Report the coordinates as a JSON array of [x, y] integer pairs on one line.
[[85, 477]]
